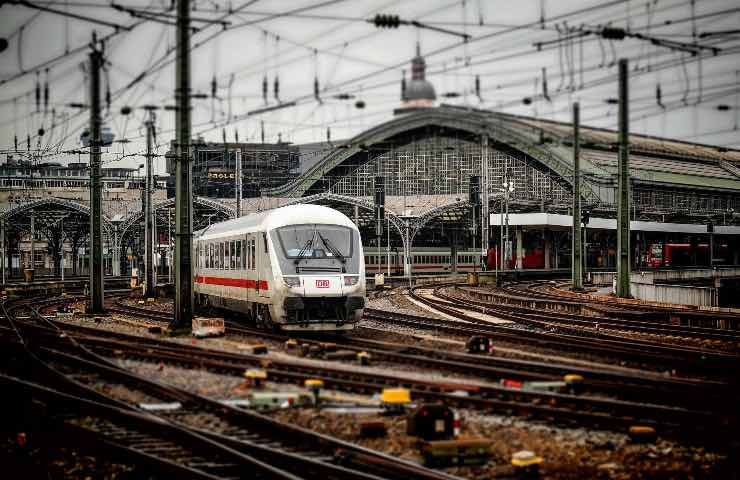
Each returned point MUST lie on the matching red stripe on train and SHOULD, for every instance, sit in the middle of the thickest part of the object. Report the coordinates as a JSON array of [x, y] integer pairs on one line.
[[231, 282]]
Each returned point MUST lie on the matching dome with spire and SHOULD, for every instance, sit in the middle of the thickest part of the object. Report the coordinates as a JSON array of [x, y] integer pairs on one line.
[[419, 92]]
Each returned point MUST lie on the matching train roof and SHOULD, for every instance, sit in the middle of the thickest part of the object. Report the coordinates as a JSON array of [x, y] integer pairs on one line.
[[279, 217]]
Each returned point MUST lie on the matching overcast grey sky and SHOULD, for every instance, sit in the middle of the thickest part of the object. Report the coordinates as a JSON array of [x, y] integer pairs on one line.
[[330, 38]]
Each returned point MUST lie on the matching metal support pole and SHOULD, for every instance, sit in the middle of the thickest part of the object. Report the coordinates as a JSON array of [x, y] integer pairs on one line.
[[576, 269], [148, 212], [484, 213], [238, 182], [2, 240], [33, 242], [96, 186], [169, 245], [183, 183], [623, 195], [116, 253], [388, 245], [61, 247]]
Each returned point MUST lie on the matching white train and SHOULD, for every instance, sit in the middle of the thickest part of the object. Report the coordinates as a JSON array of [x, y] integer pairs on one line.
[[299, 267]]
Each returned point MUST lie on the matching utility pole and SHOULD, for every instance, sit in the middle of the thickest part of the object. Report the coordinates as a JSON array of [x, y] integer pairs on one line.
[[169, 245], [484, 215], [61, 247], [238, 182], [149, 290], [379, 213], [576, 269], [2, 240], [96, 186], [623, 193], [183, 182]]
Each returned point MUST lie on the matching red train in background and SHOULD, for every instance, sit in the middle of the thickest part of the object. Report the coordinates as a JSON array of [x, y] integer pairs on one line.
[[684, 254], [533, 258]]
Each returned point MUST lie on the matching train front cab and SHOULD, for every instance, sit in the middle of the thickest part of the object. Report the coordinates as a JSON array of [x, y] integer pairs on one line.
[[320, 277]]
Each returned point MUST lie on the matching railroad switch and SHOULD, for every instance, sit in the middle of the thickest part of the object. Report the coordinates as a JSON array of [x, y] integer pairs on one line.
[[373, 429], [273, 400], [259, 349], [314, 386], [526, 464], [291, 343], [315, 350], [328, 346], [431, 421], [363, 358], [642, 434], [479, 344], [255, 378], [574, 383], [340, 355], [469, 451], [395, 400]]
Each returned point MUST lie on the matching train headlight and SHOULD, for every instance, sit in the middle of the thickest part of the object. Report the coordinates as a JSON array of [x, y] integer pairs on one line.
[[350, 280], [292, 281]]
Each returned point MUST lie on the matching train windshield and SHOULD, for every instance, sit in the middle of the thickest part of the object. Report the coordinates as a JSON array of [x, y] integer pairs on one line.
[[316, 241]]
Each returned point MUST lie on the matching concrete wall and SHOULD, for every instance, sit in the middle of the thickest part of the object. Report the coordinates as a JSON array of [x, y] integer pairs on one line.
[[681, 294], [683, 275]]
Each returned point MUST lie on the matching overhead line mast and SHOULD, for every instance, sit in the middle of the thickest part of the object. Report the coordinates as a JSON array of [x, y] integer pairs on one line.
[[183, 177]]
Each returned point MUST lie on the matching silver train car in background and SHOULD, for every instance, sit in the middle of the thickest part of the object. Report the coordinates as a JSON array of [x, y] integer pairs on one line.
[[299, 267]]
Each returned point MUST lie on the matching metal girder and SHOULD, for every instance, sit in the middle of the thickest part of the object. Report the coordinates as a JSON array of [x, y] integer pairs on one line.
[[499, 129]]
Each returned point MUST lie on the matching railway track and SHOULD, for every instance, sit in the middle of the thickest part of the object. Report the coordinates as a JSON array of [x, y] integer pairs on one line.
[[615, 383], [505, 303], [679, 315], [242, 436], [560, 408], [549, 335]]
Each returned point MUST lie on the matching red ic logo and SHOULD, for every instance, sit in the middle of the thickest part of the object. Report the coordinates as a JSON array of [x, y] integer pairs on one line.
[[322, 283]]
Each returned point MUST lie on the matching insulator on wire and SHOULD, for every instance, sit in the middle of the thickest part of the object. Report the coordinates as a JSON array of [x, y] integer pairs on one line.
[[264, 89], [213, 87], [223, 134], [38, 92], [16, 142], [262, 130], [316, 90], [236, 136], [46, 92], [659, 96], [276, 89], [107, 96], [477, 87], [28, 142], [545, 92], [328, 134]]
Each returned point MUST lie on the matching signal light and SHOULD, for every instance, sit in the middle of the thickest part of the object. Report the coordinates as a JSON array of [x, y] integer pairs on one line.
[[386, 21]]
